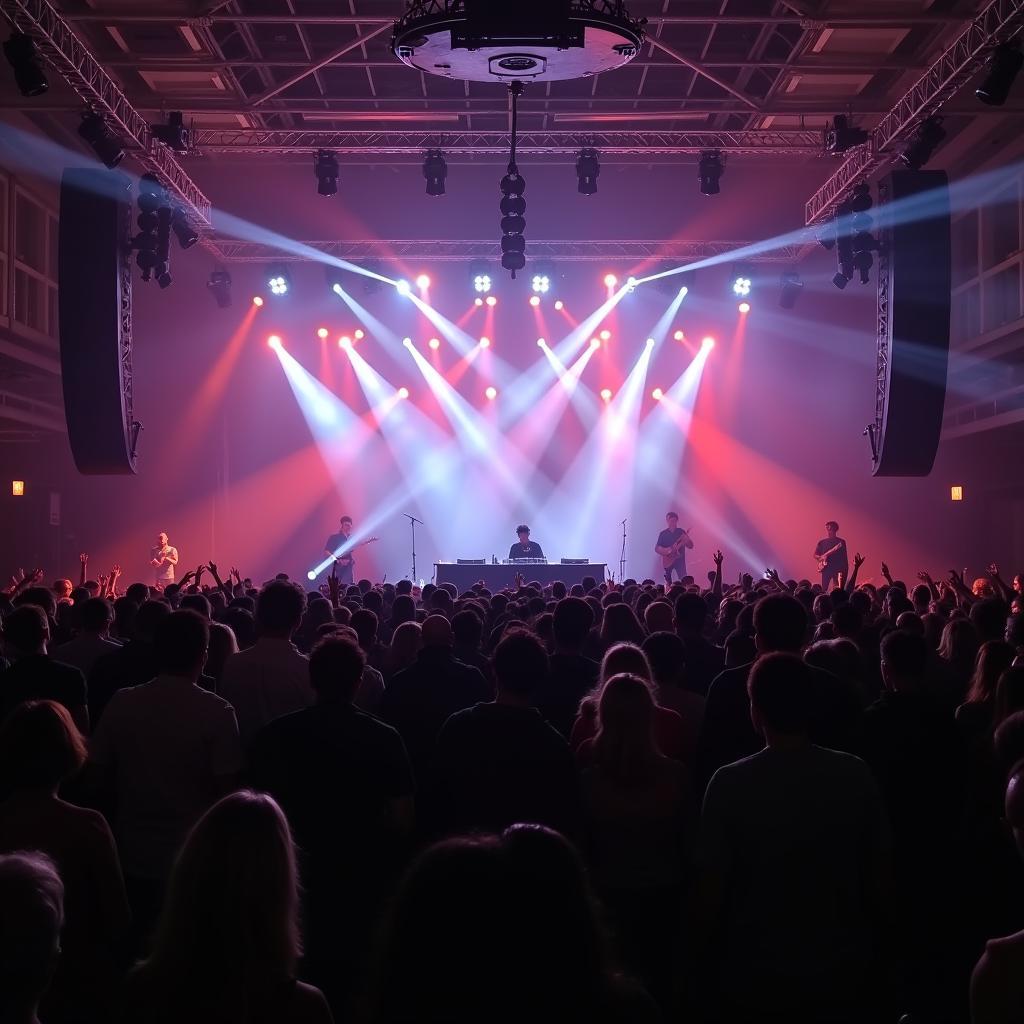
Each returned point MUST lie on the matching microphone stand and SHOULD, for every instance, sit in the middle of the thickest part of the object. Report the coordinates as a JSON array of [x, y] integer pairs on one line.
[[412, 522], [622, 559]]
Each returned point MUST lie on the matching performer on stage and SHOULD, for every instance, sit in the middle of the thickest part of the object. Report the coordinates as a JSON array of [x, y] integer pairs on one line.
[[672, 544], [346, 563], [830, 554], [526, 548], [163, 558]]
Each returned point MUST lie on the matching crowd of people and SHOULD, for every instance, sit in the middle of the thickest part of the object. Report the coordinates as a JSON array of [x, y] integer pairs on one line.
[[757, 803]]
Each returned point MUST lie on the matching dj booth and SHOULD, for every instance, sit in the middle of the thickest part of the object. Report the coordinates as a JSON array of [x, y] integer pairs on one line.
[[497, 577]]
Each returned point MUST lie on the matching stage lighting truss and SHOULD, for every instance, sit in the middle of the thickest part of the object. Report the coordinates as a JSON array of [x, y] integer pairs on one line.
[[279, 281]]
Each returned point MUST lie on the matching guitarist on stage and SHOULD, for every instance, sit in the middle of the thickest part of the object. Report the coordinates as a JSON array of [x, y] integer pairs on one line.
[[346, 563], [831, 556], [672, 545]]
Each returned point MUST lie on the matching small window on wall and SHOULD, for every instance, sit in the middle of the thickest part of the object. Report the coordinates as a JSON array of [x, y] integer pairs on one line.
[[30, 233], [1001, 226], [1002, 297], [966, 321], [965, 248], [30, 301]]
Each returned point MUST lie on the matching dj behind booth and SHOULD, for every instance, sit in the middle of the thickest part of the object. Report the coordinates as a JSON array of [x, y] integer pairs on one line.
[[467, 572]]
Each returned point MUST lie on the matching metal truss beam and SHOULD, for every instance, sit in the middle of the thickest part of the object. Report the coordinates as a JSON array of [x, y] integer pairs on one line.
[[465, 250], [413, 143], [889, 19], [91, 83], [1000, 20]]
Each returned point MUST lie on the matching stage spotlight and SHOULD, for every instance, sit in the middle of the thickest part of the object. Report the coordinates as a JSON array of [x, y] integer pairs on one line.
[[1003, 67], [491, 393], [708, 342], [106, 145], [407, 342], [434, 343], [322, 333], [684, 291], [20, 51], [559, 305], [605, 335], [744, 307], [710, 169], [588, 167], [257, 301], [595, 343], [610, 280], [325, 170], [186, 235], [478, 301], [541, 283], [485, 342], [606, 394], [541, 343], [435, 170], [741, 281], [423, 282], [403, 287], [657, 394], [535, 301], [679, 335], [650, 343], [480, 275], [345, 342], [631, 283], [403, 392], [841, 135], [174, 135], [220, 288], [491, 301], [792, 286], [279, 281], [274, 341], [358, 334], [923, 143], [310, 575]]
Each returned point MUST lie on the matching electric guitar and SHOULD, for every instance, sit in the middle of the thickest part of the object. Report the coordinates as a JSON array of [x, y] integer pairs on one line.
[[822, 560], [673, 553], [356, 547]]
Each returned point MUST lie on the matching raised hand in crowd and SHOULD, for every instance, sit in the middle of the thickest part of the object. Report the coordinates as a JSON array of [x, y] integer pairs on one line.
[[83, 561], [886, 574]]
